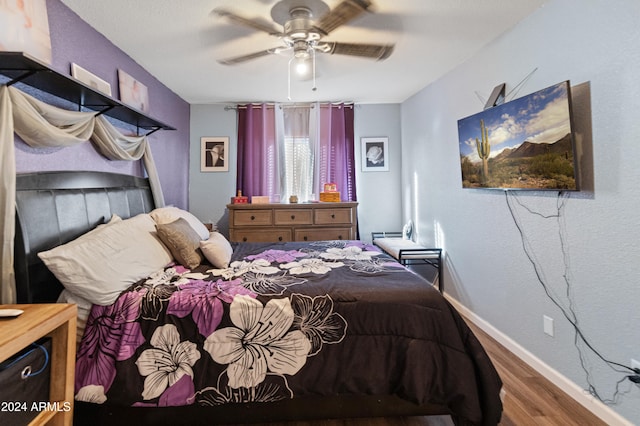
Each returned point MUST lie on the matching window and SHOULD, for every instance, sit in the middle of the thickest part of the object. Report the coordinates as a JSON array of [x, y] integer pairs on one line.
[[298, 170], [298, 153], [294, 150]]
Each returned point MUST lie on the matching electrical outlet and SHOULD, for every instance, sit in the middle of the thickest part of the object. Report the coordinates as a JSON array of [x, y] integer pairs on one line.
[[547, 325]]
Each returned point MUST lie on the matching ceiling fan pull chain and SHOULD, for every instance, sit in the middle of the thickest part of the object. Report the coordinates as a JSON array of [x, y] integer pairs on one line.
[[313, 59], [289, 78]]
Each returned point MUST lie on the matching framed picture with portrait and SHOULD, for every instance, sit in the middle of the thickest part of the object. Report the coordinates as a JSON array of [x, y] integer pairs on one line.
[[213, 154], [375, 154]]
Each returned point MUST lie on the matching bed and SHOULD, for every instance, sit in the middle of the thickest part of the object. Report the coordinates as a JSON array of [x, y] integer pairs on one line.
[[270, 332]]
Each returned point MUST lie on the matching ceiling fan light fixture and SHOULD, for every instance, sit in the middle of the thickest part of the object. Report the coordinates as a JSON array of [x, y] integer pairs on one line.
[[303, 58], [302, 66], [304, 24], [305, 67]]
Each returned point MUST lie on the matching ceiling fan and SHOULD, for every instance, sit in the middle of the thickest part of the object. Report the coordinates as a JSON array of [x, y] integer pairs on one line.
[[301, 25]]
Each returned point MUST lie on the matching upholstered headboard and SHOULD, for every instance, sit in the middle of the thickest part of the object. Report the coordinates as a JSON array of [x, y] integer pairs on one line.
[[53, 208]]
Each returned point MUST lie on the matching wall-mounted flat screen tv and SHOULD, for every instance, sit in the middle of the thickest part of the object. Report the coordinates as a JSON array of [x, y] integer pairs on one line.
[[526, 143]]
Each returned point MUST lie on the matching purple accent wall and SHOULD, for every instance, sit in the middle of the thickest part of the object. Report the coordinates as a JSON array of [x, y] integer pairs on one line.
[[73, 40]]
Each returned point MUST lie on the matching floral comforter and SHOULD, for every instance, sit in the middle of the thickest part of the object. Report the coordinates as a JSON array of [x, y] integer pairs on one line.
[[285, 320]]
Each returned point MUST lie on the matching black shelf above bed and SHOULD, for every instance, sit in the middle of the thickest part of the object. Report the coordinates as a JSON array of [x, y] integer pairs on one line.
[[22, 68]]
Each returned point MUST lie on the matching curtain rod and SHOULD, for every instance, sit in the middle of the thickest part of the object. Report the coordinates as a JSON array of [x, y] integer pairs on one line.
[[295, 105]]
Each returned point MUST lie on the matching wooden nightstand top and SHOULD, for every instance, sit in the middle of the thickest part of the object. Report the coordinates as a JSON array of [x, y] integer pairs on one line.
[[58, 321], [37, 321]]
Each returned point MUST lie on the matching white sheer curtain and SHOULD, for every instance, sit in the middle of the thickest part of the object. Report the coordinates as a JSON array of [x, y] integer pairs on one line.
[[43, 125], [294, 129]]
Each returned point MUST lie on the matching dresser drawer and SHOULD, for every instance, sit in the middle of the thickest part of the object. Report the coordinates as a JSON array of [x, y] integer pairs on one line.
[[293, 217], [275, 222], [331, 216], [320, 234], [252, 218], [266, 235]]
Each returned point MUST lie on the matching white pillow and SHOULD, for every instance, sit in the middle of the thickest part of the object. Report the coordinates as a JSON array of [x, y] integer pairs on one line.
[[217, 250], [99, 265], [114, 219], [164, 215]]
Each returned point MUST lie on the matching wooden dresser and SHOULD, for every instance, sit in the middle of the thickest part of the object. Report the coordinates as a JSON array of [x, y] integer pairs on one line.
[[292, 222]]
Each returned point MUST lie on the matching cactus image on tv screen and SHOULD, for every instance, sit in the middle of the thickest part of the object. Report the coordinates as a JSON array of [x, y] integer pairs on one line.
[[526, 143]]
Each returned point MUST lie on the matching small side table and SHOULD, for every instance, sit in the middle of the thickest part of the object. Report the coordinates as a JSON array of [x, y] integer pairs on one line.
[[57, 321]]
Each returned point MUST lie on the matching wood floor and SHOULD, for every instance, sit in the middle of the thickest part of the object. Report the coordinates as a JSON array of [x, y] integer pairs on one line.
[[530, 399]]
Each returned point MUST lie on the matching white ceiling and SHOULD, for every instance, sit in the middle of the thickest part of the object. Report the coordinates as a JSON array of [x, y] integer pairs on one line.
[[179, 41]]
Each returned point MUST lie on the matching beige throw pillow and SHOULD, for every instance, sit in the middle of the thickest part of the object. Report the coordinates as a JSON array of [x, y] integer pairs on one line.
[[164, 215], [183, 242]]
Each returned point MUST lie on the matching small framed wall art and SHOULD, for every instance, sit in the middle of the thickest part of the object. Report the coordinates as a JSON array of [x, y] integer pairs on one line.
[[24, 27], [375, 154], [132, 92], [90, 79], [213, 154]]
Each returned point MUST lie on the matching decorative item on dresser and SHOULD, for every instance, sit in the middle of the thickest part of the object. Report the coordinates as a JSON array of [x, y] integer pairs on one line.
[[292, 222]]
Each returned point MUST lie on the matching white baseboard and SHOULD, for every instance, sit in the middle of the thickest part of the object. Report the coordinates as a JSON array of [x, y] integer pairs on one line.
[[605, 413]]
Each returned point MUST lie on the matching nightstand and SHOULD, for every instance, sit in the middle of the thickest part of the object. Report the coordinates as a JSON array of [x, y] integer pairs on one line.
[[57, 321]]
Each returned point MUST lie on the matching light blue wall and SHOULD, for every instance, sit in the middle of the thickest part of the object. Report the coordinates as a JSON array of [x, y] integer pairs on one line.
[[587, 257], [594, 243], [378, 194], [210, 192]]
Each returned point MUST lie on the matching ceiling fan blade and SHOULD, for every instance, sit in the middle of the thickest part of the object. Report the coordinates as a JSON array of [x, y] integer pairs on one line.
[[341, 14], [256, 24], [374, 51], [239, 59]]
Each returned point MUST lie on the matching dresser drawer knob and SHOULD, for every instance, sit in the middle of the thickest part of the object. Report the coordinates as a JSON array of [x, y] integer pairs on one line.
[[293, 217], [333, 216], [244, 239], [253, 218], [305, 238], [339, 237]]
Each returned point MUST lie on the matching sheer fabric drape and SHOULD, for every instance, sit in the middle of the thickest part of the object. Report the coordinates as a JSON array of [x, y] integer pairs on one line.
[[299, 152], [42, 125]]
